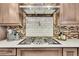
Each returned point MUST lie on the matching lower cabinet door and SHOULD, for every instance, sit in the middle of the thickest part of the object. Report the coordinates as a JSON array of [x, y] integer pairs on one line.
[[40, 52], [69, 51], [7, 52], [78, 51]]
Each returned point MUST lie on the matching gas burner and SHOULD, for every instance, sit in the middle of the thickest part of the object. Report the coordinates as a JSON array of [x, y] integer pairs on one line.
[[38, 40]]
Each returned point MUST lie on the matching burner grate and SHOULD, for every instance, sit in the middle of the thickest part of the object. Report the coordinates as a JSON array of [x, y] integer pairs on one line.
[[38, 40]]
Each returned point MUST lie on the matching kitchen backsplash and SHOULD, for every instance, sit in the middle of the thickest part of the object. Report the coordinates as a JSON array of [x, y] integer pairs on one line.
[[19, 29], [39, 26], [71, 31]]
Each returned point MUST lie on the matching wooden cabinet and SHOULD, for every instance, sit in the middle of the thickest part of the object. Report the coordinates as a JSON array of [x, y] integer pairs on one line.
[[5, 13], [78, 51], [77, 12], [69, 51], [7, 52], [68, 14], [9, 14], [40, 52], [0, 13]]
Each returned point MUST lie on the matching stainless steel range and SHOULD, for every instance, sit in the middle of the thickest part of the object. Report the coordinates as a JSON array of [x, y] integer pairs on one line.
[[38, 40]]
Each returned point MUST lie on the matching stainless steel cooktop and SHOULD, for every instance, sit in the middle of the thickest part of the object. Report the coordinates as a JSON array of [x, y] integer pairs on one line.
[[38, 40]]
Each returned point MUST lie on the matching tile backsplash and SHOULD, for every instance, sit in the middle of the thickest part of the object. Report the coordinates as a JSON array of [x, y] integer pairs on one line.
[[71, 31], [39, 26], [19, 29]]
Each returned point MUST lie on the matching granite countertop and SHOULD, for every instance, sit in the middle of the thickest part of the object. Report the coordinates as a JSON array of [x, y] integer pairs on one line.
[[14, 44]]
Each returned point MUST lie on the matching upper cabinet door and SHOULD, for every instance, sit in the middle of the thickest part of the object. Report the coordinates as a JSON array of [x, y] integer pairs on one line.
[[67, 14], [5, 13], [1, 13], [77, 12], [14, 13], [10, 14]]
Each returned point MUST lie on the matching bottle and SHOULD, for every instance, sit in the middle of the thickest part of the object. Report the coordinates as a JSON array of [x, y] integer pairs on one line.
[[62, 36]]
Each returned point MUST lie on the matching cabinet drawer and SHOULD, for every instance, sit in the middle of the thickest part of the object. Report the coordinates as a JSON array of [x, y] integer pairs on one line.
[[7, 52], [69, 51], [40, 52]]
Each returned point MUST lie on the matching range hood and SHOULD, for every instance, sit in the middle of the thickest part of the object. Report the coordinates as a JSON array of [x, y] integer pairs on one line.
[[40, 8]]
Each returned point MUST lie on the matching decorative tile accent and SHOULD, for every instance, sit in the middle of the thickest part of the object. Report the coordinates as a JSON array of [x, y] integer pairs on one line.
[[70, 31], [39, 26], [20, 30]]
